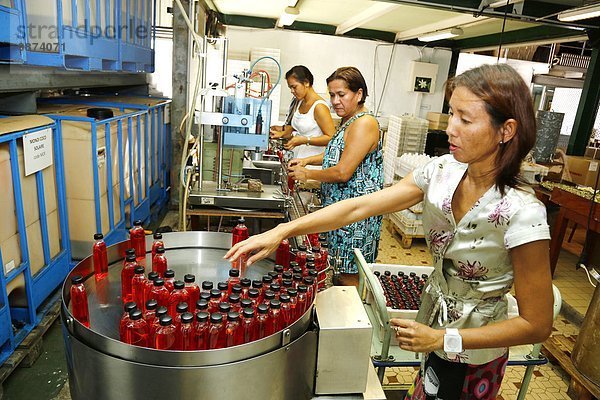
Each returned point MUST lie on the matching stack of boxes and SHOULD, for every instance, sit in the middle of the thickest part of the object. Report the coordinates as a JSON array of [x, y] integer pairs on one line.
[[437, 121]]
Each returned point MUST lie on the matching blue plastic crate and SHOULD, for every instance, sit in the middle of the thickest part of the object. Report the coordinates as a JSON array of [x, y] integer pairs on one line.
[[34, 246], [12, 41]]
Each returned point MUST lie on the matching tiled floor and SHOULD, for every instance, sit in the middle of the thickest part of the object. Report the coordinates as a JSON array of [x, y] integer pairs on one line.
[[549, 381]]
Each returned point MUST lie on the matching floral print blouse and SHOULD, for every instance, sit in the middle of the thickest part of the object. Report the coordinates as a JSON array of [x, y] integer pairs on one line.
[[473, 270]]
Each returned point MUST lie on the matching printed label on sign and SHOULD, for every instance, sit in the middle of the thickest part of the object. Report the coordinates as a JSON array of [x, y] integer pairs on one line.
[[209, 201], [593, 166], [9, 266], [37, 151], [168, 114]]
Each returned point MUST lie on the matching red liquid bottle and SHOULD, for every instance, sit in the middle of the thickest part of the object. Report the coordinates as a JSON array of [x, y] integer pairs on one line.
[[286, 284], [234, 302], [149, 284], [263, 326], [245, 283], [249, 327], [150, 313], [127, 308], [138, 286], [293, 264], [158, 242], [258, 285], [297, 280], [178, 295], [316, 253], [136, 329], [100, 257], [302, 305], [79, 301], [126, 276], [282, 256], [279, 269], [160, 293], [165, 337], [310, 292], [301, 256], [274, 277], [269, 295], [291, 184], [315, 282], [234, 279], [223, 288], [286, 310], [237, 289], [186, 334], [179, 311], [137, 238], [207, 286], [234, 335], [254, 297], [275, 316], [215, 299], [159, 262], [287, 275], [193, 291], [240, 232], [245, 303], [224, 309], [293, 293], [202, 305], [160, 312], [216, 332], [323, 264], [275, 288], [169, 277], [201, 330]]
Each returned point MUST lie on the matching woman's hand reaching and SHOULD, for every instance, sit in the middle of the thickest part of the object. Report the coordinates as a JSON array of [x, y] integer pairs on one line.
[[416, 337], [258, 246], [276, 132], [298, 172], [294, 142]]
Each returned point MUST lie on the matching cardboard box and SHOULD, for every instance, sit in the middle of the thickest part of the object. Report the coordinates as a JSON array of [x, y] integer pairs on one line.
[[437, 117], [583, 170], [438, 126], [592, 152]]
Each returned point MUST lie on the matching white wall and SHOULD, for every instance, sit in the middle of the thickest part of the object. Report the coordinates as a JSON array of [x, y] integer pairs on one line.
[[322, 54]]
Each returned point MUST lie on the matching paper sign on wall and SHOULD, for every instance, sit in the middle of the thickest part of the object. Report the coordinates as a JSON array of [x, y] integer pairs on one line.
[[37, 151], [167, 114]]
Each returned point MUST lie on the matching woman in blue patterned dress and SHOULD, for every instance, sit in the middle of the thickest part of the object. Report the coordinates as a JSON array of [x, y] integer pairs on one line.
[[352, 167]]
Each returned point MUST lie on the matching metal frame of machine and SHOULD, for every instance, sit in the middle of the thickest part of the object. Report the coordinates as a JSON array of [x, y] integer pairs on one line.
[[39, 287]]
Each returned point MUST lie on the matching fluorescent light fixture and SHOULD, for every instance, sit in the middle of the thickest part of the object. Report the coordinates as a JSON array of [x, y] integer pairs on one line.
[[497, 3], [575, 14], [288, 16], [439, 35]]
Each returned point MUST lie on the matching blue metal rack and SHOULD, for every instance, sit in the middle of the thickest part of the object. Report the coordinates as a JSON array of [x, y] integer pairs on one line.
[[92, 35], [12, 43], [114, 227], [37, 286]]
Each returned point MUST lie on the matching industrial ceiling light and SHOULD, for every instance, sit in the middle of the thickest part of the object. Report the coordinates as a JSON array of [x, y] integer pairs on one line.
[[439, 35], [288, 16], [575, 14]]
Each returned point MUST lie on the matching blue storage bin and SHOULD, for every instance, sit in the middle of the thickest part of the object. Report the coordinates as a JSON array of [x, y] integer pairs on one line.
[[136, 42], [12, 39], [34, 246]]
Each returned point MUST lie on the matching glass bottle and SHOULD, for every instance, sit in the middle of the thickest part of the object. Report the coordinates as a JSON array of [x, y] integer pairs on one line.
[[202, 305], [293, 293], [165, 337], [223, 288], [216, 332], [275, 288], [240, 232], [275, 317], [301, 256], [266, 282], [127, 308], [149, 284], [137, 238], [150, 313], [286, 310], [302, 304], [287, 275], [160, 312], [269, 295], [179, 311], [245, 283], [234, 302], [192, 289], [279, 269], [245, 303], [186, 333], [178, 295], [126, 276], [160, 293], [258, 285], [249, 328], [207, 286], [215, 299], [323, 264], [100, 257], [310, 292], [254, 297], [79, 301], [313, 239], [263, 327], [136, 329], [316, 252], [138, 286], [224, 309], [201, 330], [234, 279], [169, 277], [286, 284], [297, 280], [159, 262], [236, 289], [234, 334], [158, 242], [282, 256]]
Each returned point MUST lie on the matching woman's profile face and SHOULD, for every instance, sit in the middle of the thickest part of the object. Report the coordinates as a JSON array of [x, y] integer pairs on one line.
[[343, 100], [298, 89], [472, 137]]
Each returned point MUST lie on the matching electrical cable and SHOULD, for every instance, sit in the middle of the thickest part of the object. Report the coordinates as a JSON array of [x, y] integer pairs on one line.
[[502, 31], [387, 74]]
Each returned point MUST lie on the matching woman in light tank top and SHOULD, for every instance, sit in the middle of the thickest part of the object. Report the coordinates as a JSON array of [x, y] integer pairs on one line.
[[311, 123]]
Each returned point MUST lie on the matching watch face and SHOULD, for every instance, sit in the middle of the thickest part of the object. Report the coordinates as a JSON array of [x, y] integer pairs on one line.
[[452, 344]]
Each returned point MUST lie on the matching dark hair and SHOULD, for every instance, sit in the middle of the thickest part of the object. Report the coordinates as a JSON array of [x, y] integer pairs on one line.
[[506, 96], [301, 74], [353, 79]]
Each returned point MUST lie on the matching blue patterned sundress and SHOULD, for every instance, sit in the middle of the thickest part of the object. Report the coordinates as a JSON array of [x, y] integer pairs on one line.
[[367, 178]]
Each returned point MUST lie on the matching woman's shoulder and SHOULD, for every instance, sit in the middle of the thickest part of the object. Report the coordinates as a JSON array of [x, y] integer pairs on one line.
[[364, 120]]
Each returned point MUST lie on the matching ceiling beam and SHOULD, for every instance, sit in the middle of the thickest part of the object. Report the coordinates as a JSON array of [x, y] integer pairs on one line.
[[375, 11], [460, 20]]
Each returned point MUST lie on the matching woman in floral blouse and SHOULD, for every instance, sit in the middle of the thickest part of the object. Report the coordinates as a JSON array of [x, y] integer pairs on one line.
[[485, 229]]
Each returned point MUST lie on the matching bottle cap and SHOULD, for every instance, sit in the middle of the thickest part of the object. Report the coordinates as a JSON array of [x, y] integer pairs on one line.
[[310, 265], [275, 304], [137, 222], [234, 273], [178, 285], [287, 283], [294, 264], [313, 273], [256, 284], [215, 294], [233, 316], [316, 249], [207, 285], [302, 289], [244, 303], [182, 307], [297, 277], [275, 287], [224, 307], [262, 308], [205, 295], [187, 318], [302, 248], [273, 274], [159, 282], [267, 279], [189, 278], [152, 276], [278, 268], [248, 312], [245, 282], [76, 280], [165, 320], [157, 235], [201, 304], [237, 289], [269, 294], [310, 258], [135, 314], [169, 273], [287, 275], [98, 236], [130, 257], [160, 250], [129, 306], [216, 318], [151, 304], [129, 251], [292, 292], [202, 316], [160, 311], [284, 298], [297, 270], [139, 270], [234, 298], [241, 220], [222, 286], [324, 246], [308, 280]]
